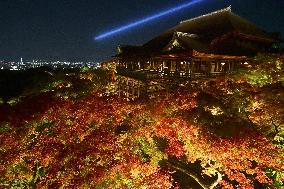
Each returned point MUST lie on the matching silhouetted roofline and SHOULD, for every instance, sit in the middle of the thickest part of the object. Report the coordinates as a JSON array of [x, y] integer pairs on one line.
[[228, 9], [210, 27]]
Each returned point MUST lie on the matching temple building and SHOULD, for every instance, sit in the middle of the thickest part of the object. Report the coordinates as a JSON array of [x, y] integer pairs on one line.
[[208, 45]]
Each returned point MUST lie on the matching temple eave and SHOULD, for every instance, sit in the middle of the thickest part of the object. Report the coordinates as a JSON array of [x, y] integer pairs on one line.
[[213, 44]]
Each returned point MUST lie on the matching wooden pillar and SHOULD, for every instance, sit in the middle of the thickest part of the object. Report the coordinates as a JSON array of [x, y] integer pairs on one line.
[[178, 68], [163, 66], [134, 65], [187, 69], [160, 66], [154, 65], [127, 88], [206, 68], [157, 65], [191, 68], [144, 64], [233, 65], [132, 90], [173, 66]]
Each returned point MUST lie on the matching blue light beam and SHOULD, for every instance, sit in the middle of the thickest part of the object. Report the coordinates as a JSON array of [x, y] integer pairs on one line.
[[147, 19]]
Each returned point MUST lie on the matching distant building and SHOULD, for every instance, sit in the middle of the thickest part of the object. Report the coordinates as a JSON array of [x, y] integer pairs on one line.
[[210, 44]]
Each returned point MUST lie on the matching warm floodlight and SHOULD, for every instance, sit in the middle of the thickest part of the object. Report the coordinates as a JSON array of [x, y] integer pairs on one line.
[[147, 19]]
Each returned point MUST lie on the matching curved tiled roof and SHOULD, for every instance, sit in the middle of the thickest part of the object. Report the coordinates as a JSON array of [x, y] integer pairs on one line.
[[209, 26]]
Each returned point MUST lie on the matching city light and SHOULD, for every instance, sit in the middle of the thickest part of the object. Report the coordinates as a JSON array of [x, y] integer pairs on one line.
[[19, 65], [147, 19]]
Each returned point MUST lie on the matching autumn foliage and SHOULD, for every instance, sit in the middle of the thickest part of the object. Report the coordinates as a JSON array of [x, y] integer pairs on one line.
[[217, 133]]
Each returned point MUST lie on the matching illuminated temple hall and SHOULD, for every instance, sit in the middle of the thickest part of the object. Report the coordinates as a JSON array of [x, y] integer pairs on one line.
[[208, 45]]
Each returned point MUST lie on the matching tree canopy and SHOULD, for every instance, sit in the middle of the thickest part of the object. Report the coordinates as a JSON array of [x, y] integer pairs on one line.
[[72, 131]]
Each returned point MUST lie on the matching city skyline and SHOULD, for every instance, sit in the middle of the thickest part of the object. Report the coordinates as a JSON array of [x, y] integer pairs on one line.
[[65, 30]]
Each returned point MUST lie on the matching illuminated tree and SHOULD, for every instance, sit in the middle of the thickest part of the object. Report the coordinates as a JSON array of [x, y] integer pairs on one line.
[[223, 132]]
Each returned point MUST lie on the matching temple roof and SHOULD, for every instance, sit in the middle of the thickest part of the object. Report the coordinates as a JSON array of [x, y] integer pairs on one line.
[[208, 28], [182, 41]]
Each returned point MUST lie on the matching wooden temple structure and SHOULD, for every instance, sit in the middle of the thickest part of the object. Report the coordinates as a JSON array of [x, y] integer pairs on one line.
[[211, 44]]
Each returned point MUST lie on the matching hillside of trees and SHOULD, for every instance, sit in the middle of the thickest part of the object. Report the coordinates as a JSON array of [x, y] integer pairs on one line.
[[69, 129]]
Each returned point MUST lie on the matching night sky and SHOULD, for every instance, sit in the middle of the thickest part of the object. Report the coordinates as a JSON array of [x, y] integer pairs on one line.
[[65, 29]]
